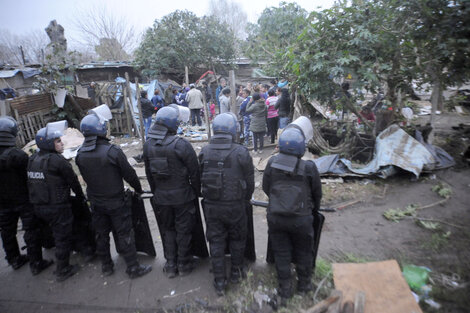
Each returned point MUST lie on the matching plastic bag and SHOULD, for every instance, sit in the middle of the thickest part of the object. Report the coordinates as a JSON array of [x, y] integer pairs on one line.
[[416, 276]]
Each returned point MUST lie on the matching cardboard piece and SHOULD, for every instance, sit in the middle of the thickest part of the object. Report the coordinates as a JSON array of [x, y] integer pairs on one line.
[[382, 282]]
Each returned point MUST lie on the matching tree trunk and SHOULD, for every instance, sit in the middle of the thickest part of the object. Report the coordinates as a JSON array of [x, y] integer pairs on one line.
[[436, 98]]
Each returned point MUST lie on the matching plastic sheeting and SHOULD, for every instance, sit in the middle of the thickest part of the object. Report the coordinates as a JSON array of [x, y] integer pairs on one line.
[[27, 72], [393, 148]]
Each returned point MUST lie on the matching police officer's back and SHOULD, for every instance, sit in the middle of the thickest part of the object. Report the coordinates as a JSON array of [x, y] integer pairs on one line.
[[294, 189], [14, 202], [103, 167], [50, 178], [172, 170], [227, 179]]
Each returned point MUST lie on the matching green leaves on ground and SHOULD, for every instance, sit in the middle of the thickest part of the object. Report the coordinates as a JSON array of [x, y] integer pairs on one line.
[[442, 190], [398, 214]]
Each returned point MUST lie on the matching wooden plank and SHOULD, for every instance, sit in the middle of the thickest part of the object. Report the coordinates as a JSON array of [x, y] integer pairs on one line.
[[359, 302], [336, 306], [385, 288]]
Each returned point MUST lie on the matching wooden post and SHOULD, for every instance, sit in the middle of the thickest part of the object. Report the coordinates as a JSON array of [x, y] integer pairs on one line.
[[206, 118], [129, 94], [139, 106], [126, 110], [186, 75], [233, 93]]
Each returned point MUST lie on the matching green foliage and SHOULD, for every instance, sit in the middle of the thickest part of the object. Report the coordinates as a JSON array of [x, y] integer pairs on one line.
[[277, 29], [182, 39], [428, 225], [442, 190], [398, 214], [440, 39], [361, 42]]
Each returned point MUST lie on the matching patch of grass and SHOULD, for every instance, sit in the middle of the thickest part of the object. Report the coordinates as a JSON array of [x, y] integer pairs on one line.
[[437, 241], [322, 268], [398, 214]]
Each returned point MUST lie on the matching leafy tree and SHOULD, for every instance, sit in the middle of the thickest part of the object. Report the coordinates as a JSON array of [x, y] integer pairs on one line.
[[182, 39], [277, 28], [365, 40], [440, 41]]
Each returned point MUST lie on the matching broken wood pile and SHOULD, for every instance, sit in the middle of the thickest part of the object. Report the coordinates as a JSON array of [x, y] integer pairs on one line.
[[32, 113]]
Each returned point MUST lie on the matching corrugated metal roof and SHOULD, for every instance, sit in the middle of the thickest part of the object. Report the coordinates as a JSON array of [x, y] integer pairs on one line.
[[27, 72]]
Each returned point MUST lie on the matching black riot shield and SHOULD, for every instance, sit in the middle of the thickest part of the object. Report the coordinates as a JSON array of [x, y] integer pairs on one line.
[[142, 234], [250, 252], [318, 221], [82, 228], [198, 240]]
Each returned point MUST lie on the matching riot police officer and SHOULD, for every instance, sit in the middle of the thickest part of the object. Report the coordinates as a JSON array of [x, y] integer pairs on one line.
[[294, 189], [50, 178], [227, 179], [103, 167], [14, 202], [172, 170]]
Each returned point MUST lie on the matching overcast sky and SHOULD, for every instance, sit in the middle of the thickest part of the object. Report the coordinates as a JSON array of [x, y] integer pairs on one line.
[[22, 16]]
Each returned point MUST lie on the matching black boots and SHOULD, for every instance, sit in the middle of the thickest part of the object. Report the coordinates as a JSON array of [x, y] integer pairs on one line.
[[107, 269], [237, 274], [285, 291], [138, 270], [66, 272], [170, 269], [39, 266], [185, 268], [219, 285], [19, 261], [304, 286]]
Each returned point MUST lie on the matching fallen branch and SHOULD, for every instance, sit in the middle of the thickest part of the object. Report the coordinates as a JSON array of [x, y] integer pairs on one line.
[[432, 204], [342, 205], [439, 221], [322, 306]]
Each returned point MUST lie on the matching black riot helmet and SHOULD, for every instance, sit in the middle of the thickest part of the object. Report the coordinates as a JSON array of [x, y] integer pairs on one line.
[[292, 141], [226, 123], [45, 136], [8, 131], [168, 117]]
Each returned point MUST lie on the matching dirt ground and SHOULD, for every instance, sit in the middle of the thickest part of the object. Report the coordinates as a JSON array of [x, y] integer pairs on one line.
[[355, 233]]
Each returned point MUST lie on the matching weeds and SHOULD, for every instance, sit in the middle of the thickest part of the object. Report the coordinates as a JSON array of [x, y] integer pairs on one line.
[[437, 241]]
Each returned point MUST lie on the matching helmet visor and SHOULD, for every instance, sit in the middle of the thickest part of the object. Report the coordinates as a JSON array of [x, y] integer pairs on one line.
[[103, 112], [56, 129]]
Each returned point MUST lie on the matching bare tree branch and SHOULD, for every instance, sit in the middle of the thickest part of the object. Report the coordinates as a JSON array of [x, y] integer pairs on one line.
[[111, 36]]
